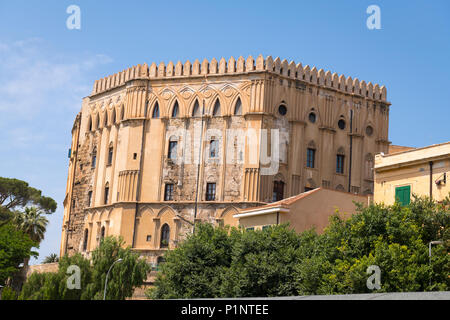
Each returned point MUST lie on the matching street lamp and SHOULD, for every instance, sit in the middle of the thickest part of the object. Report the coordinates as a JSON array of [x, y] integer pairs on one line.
[[429, 252], [107, 274]]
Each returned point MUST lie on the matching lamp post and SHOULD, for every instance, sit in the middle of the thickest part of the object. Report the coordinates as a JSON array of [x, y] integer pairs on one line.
[[429, 252], [107, 274]]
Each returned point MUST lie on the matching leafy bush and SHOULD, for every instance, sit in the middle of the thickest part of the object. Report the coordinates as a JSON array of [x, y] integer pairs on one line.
[[219, 262]]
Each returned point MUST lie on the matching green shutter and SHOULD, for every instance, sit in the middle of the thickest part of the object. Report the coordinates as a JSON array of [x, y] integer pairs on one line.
[[403, 195]]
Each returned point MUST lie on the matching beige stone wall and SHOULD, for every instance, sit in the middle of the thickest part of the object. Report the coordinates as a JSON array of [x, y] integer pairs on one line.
[[412, 168], [41, 268], [118, 116], [312, 211]]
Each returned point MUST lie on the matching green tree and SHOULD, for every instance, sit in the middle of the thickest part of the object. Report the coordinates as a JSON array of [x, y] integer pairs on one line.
[[124, 276], [32, 223], [216, 262], [194, 269], [17, 194], [51, 258], [15, 246], [262, 264], [7, 293], [53, 286], [395, 238]]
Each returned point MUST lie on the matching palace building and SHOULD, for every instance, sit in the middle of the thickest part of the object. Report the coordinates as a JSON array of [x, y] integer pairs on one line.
[[264, 130]]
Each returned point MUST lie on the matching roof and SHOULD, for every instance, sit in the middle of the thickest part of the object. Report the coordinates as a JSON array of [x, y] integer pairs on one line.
[[412, 156]]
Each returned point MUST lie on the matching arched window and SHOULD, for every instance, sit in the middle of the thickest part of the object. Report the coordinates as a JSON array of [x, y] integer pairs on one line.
[[105, 122], [278, 191], [196, 111], [110, 154], [368, 166], [97, 126], [216, 110], [90, 123], [106, 196], [165, 236], [155, 113], [175, 110], [94, 157], [102, 233], [85, 240], [238, 107]]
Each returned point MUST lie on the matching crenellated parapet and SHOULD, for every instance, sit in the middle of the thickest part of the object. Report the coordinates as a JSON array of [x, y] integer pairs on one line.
[[283, 68]]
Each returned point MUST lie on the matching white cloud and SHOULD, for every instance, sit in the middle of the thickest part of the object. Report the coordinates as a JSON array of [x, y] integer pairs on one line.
[[31, 74]]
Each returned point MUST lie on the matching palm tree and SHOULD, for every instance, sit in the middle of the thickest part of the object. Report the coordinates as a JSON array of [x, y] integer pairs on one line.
[[53, 257], [32, 223]]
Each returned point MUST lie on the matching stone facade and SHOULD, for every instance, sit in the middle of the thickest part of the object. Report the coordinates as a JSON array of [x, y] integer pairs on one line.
[[139, 134]]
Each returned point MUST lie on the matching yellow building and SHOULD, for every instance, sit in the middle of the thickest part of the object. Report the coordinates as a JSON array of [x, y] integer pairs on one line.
[[422, 171], [311, 209], [157, 148]]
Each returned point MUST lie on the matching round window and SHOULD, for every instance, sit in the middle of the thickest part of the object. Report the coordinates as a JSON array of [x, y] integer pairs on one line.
[[369, 130], [312, 117], [282, 110], [341, 124]]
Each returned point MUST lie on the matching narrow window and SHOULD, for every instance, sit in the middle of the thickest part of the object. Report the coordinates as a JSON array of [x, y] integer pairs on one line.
[[196, 111], [106, 194], [175, 110], [172, 150], [85, 241], [110, 155], [113, 117], [310, 157], [339, 163], [165, 236], [89, 198], [213, 148], [210, 191], [278, 191], [94, 158], [168, 192], [155, 113], [238, 108], [102, 234], [216, 111]]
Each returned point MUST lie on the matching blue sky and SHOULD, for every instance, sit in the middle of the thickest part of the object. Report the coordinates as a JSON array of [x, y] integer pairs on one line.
[[46, 69]]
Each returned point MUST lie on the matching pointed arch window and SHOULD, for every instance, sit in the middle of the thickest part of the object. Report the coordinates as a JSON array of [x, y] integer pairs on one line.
[[196, 110], [175, 110], [94, 157], [155, 113], [278, 191], [216, 110], [85, 240], [165, 236], [105, 122], [102, 233], [97, 125], [238, 108], [110, 154], [106, 196], [368, 166], [90, 123]]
